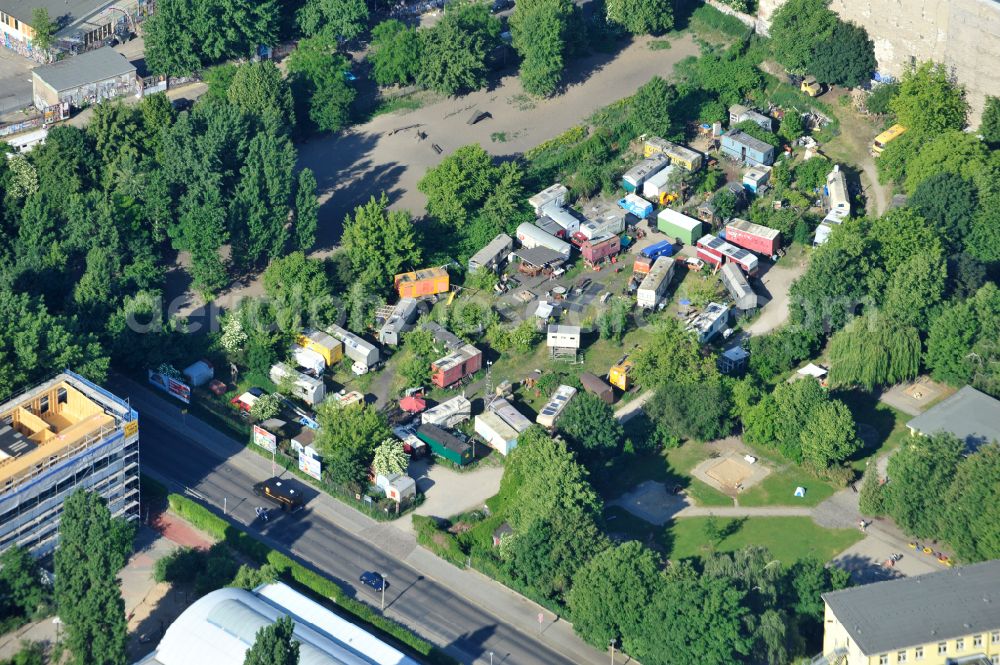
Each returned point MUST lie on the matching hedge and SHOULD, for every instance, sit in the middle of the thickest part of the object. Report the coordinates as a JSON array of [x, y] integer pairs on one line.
[[304, 577]]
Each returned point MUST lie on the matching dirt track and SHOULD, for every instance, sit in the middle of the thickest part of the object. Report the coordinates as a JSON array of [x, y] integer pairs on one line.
[[369, 159]]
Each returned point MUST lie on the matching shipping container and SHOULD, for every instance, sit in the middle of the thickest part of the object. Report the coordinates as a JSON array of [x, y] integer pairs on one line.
[[445, 444], [619, 376], [310, 390], [656, 250], [755, 237], [656, 186], [642, 265], [636, 205], [684, 157], [674, 224], [331, 349], [717, 251], [634, 178], [597, 386], [456, 366], [550, 413], [597, 249], [420, 283], [495, 432], [650, 292], [553, 195], [531, 236]]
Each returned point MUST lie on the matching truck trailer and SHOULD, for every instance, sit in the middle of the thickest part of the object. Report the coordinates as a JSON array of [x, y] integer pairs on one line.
[[755, 237], [678, 225], [597, 249], [636, 205], [650, 292], [445, 444]]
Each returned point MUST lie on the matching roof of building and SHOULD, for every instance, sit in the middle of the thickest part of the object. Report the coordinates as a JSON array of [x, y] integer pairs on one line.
[[901, 613], [219, 628], [593, 383], [509, 414], [755, 229], [500, 244], [67, 12], [969, 414], [747, 140], [443, 336], [738, 287], [91, 67], [540, 256]]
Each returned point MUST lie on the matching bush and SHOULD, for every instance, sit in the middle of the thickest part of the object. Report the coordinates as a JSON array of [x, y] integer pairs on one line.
[[439, 541], [707, 18]]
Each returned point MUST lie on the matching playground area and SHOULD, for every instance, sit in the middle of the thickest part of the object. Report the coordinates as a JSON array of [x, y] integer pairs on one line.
[[731, 472]]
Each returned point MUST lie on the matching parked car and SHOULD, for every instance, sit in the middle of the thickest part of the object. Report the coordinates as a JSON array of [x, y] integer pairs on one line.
[[374, 580], [694, 263]]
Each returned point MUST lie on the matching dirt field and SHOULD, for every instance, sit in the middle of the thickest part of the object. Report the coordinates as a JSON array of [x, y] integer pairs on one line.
[[370, 159]]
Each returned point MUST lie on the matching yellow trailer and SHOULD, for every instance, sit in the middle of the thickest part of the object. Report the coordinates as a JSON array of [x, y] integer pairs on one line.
[[331, 349], [619, 375]]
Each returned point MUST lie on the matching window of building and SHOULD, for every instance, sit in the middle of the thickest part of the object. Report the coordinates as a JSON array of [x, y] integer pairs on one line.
[[995, 637], [918, 653], [942, 647], [900, 656], [883, 659], [995, 659], [960, 644], [977, 641]]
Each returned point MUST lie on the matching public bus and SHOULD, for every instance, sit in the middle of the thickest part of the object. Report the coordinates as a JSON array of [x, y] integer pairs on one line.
[[883, 139]]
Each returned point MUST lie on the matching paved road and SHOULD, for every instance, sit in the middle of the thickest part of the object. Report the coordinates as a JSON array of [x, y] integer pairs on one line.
[[461, 611]]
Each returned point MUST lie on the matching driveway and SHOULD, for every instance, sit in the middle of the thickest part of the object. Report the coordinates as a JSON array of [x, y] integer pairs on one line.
[[451, 492], [776, 282]]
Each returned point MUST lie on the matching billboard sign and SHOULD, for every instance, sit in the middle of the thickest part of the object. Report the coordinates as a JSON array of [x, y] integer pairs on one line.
[[171, 386], [264, 439], [310, 465]]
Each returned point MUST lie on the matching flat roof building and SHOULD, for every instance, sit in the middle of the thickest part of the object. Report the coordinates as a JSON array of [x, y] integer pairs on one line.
[[80, 21], [952, 616], [219, 628], [60, 436], [84, 79], [972, 416], [493, 254], [744, 148]]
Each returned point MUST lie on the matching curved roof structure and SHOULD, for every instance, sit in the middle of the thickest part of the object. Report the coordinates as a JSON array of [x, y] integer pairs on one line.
[[219, 628]]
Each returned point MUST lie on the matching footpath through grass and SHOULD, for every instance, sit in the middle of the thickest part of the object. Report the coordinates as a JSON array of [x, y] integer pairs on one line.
[[789, 539]]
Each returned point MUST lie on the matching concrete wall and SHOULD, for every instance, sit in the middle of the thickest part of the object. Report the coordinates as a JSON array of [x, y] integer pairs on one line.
[[962, 34]]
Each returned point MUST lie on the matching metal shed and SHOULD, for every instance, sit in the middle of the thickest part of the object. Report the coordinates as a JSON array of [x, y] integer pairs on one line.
[[87, 78]]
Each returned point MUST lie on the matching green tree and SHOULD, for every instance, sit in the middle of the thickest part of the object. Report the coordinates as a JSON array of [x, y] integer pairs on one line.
[[259, 88], [93, 547], [797, 28], [810, 579], [929, 102], [306, 210], [299, 292], [947, 201], [611, 591], [380, 242], [671, 355], [347, 440], [971, 520], [951, 151], [395, 54], [949, 342], [390, 457], [641, 17], [827, 295], [989, 125], [540, 29], [21, 589], [871, 499], [811, 174], [874, 350], [171, 46], [692, 619], [266, 407], [829, 437], [921, 473], [848, 59], [322, 92], [915, 289], [418, 354], [454, 51], [274, 644], [777, 420], [791, 129], [691, 410], [333, 20], [593, 428], [44, 28], [651, 106], [458, 185]]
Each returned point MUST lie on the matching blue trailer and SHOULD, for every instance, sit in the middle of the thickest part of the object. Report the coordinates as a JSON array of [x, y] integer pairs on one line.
[[636, 205], [655, 251]]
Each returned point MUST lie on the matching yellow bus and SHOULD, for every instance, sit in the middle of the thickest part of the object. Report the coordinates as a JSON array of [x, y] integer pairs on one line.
[[883, 139]]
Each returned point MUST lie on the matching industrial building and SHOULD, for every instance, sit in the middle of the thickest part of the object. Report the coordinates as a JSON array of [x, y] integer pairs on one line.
[[220, 627], [84, 79], [742, 147], [493, 254], [449, 413], [81, 22], [60, 436], [951, 617]]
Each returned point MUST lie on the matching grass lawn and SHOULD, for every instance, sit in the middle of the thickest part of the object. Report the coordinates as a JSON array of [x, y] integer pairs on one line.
[[778, 489], [788, 538]]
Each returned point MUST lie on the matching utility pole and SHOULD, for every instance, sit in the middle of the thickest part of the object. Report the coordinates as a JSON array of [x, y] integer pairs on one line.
[[385, 583], [612, 645]]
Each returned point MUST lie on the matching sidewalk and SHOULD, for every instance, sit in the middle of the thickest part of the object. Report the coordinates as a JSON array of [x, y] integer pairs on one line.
[[507, 606]]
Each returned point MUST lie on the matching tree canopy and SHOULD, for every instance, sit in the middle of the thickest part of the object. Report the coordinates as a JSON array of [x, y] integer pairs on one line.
[[380, 243], [454, 51], [797, 28], [395, 53], [540, 30], [347, 439], [591, 425], [274, 644], [929, 102], [847, 59], [641, 17]]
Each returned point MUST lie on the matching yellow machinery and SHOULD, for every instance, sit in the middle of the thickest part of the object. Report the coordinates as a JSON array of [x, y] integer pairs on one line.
[[667, 199], [451, 296], [619, 374], [811, 86], [883, 139]]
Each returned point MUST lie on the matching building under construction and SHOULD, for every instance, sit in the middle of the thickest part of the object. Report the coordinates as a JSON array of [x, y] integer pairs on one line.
[[63, 435]]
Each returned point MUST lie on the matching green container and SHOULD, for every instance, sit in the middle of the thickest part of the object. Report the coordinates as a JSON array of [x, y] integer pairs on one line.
[[445, 444]]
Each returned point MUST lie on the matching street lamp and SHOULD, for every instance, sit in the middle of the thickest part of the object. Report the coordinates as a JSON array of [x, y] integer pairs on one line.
[[385, 583], [491, 658], [612, 645]]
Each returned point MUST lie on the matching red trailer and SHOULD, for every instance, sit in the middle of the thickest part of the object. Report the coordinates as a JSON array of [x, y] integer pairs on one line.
[[597, 249], [717, 251], [642, 265], [455, 366], [755, 237]]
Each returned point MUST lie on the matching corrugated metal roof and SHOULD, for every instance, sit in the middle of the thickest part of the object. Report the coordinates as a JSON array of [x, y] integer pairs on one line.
[[91, 67], [748, 141], [887, 616]]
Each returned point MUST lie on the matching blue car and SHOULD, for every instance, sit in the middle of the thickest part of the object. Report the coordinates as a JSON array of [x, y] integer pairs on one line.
[[374, 580]]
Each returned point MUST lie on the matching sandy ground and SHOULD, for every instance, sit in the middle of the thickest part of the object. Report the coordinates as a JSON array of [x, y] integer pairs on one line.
[[451, 492], [776, 282]]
